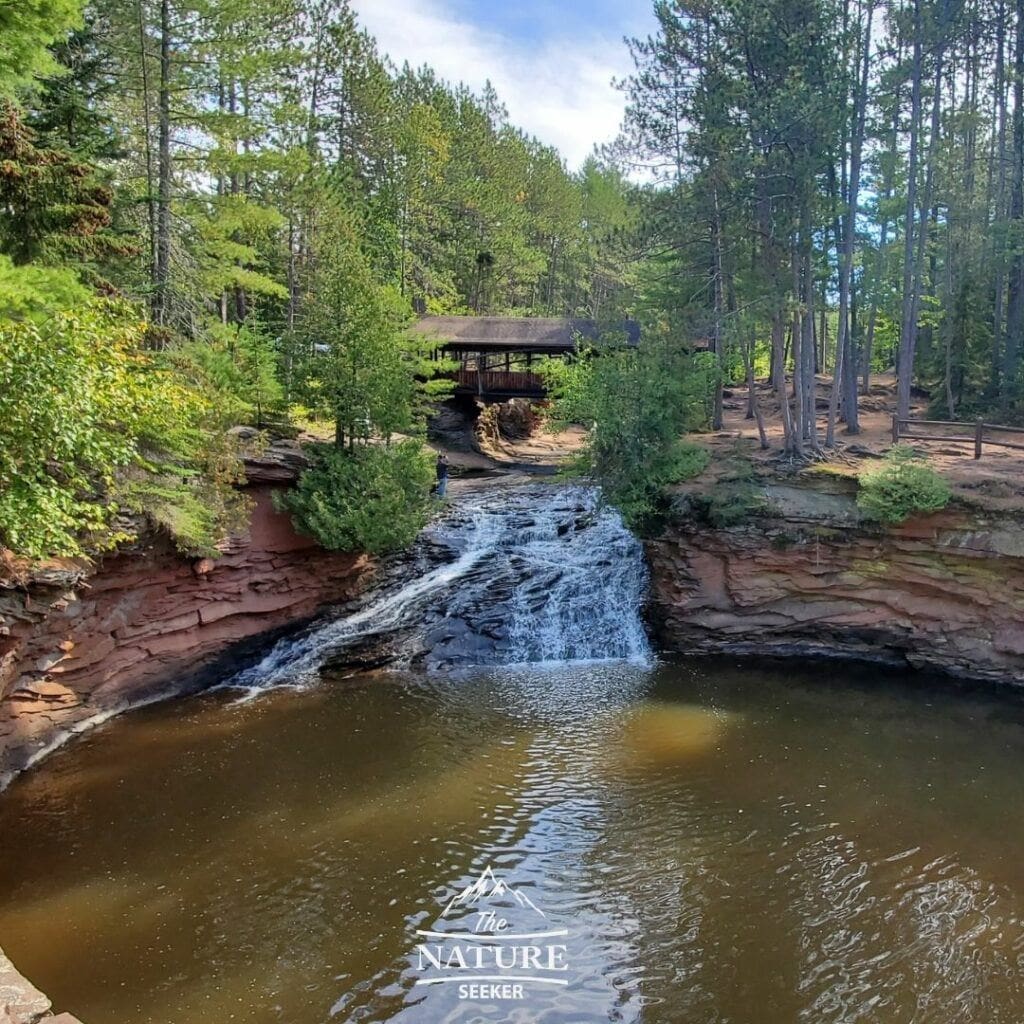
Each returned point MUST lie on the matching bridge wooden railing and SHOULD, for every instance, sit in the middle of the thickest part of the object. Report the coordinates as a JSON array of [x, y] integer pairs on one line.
[[499, 382], [980, 433]]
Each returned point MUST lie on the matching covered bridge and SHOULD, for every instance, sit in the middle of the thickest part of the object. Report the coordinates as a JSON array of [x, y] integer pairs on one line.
[[496, 354]]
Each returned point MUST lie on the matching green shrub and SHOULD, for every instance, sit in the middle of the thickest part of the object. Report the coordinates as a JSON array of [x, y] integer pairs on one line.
[[636, 404], [372, 498], [191, 495], [728, 504], [30, 291], [90, 425], [903, 487], [642, 497]]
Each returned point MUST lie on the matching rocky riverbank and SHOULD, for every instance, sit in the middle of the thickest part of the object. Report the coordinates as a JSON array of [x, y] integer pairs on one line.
[[801, 573], [80, 642], [22, 1003]]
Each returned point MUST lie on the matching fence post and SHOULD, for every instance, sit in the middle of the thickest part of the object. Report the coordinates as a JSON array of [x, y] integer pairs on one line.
[[896, 429], [979, 431]]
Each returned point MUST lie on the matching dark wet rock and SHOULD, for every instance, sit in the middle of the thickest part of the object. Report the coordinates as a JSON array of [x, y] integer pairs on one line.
[[451, 425], [503, 577]]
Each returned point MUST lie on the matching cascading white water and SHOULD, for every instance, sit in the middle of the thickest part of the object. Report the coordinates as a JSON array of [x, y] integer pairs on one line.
[[530, 574], [580, 585]]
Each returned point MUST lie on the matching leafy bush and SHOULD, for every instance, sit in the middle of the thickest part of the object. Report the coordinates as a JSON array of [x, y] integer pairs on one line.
[[641, 497], [190, 493], [636, 404], [90, 424], [903, 487], [371, 498]]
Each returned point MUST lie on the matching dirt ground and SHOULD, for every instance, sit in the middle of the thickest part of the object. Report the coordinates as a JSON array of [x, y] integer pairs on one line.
[[996, 481]]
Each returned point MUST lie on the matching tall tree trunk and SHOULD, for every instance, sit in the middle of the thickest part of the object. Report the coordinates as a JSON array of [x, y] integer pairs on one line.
[[791, 441], [719, 293], [843, 374], [799, 362], [770, 256], [999, 253], [807, 341], [1015, 303], [912, 308], [162, 276], [147, 128], [908, 322], [882, 264], [869, 336]]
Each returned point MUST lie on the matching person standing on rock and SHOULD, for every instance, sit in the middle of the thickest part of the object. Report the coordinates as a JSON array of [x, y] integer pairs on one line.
[[442, 475]]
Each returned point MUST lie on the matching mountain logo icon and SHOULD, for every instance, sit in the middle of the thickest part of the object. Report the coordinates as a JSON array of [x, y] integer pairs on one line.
[[487, 889], [492, 947]]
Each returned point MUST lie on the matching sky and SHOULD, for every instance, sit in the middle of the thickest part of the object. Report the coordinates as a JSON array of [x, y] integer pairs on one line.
[[551, 61]]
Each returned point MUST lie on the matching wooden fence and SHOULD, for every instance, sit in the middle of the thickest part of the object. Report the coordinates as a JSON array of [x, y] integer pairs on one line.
[[979, 434]]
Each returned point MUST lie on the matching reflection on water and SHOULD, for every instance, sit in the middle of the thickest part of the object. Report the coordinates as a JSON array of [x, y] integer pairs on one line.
[[722, 844]]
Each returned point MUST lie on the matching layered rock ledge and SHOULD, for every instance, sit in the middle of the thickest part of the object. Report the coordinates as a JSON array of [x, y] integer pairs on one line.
[[805, 575], [79, 643]]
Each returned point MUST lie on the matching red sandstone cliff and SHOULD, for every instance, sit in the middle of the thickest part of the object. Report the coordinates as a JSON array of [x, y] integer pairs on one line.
[[805, 576], [78, 643]]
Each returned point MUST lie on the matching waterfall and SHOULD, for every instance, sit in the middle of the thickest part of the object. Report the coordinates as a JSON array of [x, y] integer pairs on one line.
[[507, 575]]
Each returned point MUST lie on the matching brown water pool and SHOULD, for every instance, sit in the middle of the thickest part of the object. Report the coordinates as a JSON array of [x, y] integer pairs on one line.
[[703, 841]]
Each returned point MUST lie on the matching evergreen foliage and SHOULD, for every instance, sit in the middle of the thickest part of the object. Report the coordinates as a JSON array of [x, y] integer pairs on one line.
[[637, 404], [239, 365], [374, 498], [55, 209], [905, 486], [274, 194], [838, 188], [365, 373], [27, 28]]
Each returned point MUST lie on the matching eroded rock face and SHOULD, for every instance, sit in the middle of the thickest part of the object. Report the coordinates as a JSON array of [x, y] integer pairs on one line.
[[505, 421], [280, 462], [78, 645], [944, 592]]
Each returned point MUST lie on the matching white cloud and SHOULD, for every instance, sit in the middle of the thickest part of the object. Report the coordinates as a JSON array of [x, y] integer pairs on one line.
[[560, 91]]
